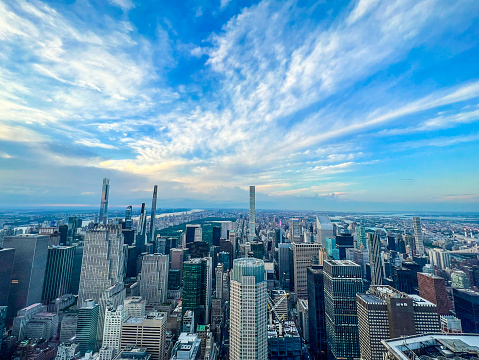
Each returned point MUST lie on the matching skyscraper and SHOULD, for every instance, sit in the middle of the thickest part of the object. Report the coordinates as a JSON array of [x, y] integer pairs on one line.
[[151, 235], [128, 219], [154, 278], [324, 229], [375, 259], [252, 214], [342, 281], [317, 323], [101, 276], [58, 272], [295, 230], [433, 289], [104, 201], [466, 306], [7, 257], [86, 334], [114, 318], [416, 223], [28, 272], [248, 310], [197, 287], [303, 257]]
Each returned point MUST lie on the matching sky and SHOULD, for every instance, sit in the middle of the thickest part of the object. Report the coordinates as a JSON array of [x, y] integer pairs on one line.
[[323, 105]]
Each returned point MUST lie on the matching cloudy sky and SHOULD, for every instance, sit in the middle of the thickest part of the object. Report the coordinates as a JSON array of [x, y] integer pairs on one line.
[[328, 105]]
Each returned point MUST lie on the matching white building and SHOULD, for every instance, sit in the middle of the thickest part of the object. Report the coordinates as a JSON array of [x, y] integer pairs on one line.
[[416, 223], [135, 306], [303, 256], [248, 309], [154, 278], [114, 318]]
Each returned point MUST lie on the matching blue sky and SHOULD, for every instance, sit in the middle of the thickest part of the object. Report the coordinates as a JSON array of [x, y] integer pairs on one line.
[[327, 105]]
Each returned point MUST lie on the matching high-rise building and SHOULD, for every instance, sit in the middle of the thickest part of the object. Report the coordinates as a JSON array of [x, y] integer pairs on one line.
[[416, 223], [188, 347], [374, 245], [219, 281], [28, 272], [284, 274], [433, 289], [388, 313], [114, 318], [68, 328], [86, 334], [248, 310], [128, 219], [450, 325], [141, 230], [466, 306], [147, 332], [324, 229], [154, 278], [7, 257], [103, 269], [58, 272], [104, 201], [342, 281], [317, 322], [402, 279], [361, 238], [216, 235], [193, 233], [252, 213], [459, 280], [295, 230], [135, 306], [439, 258], [177, 257], [303, 257], [151, 235], [197, 286]]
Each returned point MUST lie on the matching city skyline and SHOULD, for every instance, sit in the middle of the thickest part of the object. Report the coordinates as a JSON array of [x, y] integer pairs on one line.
[[363, 105]]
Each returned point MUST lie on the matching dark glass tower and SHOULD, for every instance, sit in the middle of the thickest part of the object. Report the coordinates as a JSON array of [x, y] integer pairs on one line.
[[58, 272], [7, 257], [466, 305], [196, 288], [342, 281], [87, 326], [317, 323]]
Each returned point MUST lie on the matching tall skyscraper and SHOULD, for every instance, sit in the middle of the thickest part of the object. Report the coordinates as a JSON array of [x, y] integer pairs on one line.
[[86, 334], [28, 272], [386, 313], [466, 306], [151, 235], [303, 257], [295, 230], [441, 259], [58, 272], [146, 332], [154, 278], [317, 322], [128, 219], [252, 213], [416, 223], [342, 281], [141, 231], [433, 289], [104, 201], [248, 310], [197, 288], [374, 245], [361, 238], [114, 318], [101, 276], [7, 257], [324, 229]]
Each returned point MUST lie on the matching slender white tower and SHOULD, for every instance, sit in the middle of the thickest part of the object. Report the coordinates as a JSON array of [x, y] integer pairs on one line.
[[416, 223], [252, 214], [104, 201], [153, 215]]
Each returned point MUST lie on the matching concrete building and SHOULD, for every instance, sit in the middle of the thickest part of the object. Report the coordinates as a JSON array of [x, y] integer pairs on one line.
[[248, 310], [317, 322], [252, 213], [303, 317], [146, 332], [459, 280], [450, 325], [374, 245], [304, 255], [135, 306], [284, 342], [418, 239], [324, 229], [133, 353], [433, 289], [114, 319], [105, 191], [154, 278], [68, 328], [187, 347], [439, 258]]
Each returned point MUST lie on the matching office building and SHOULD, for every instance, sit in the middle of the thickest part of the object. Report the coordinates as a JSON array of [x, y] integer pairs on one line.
[[7, 258], [42, 325], [317, 321], [284, 341], [466, 307], [102, 269], [154, 278], [402, 279], [343, 242], [147, 332], [188, 347], [280, 304], [58, 272], [388, 313], [76, 268], [128, 219], [114, 318], [104, 202], [193, 233], [248, 310], [67, 351], [361, 238], [151, 236], [133, 353], [295, 230], [433, 289], [416, 223], [303, 318], [28, 273], [68, 328], [86, 334], [439, 258], [450, 325], [304, 255], [324, 229], [374, 245], [197, 287], [219, 281], [252, 213], [216, 236], [342, 281], [140, 242], [459, 280], [135, 306]]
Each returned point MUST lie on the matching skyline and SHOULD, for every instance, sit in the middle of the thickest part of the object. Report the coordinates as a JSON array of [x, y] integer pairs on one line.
[[336, 107]]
